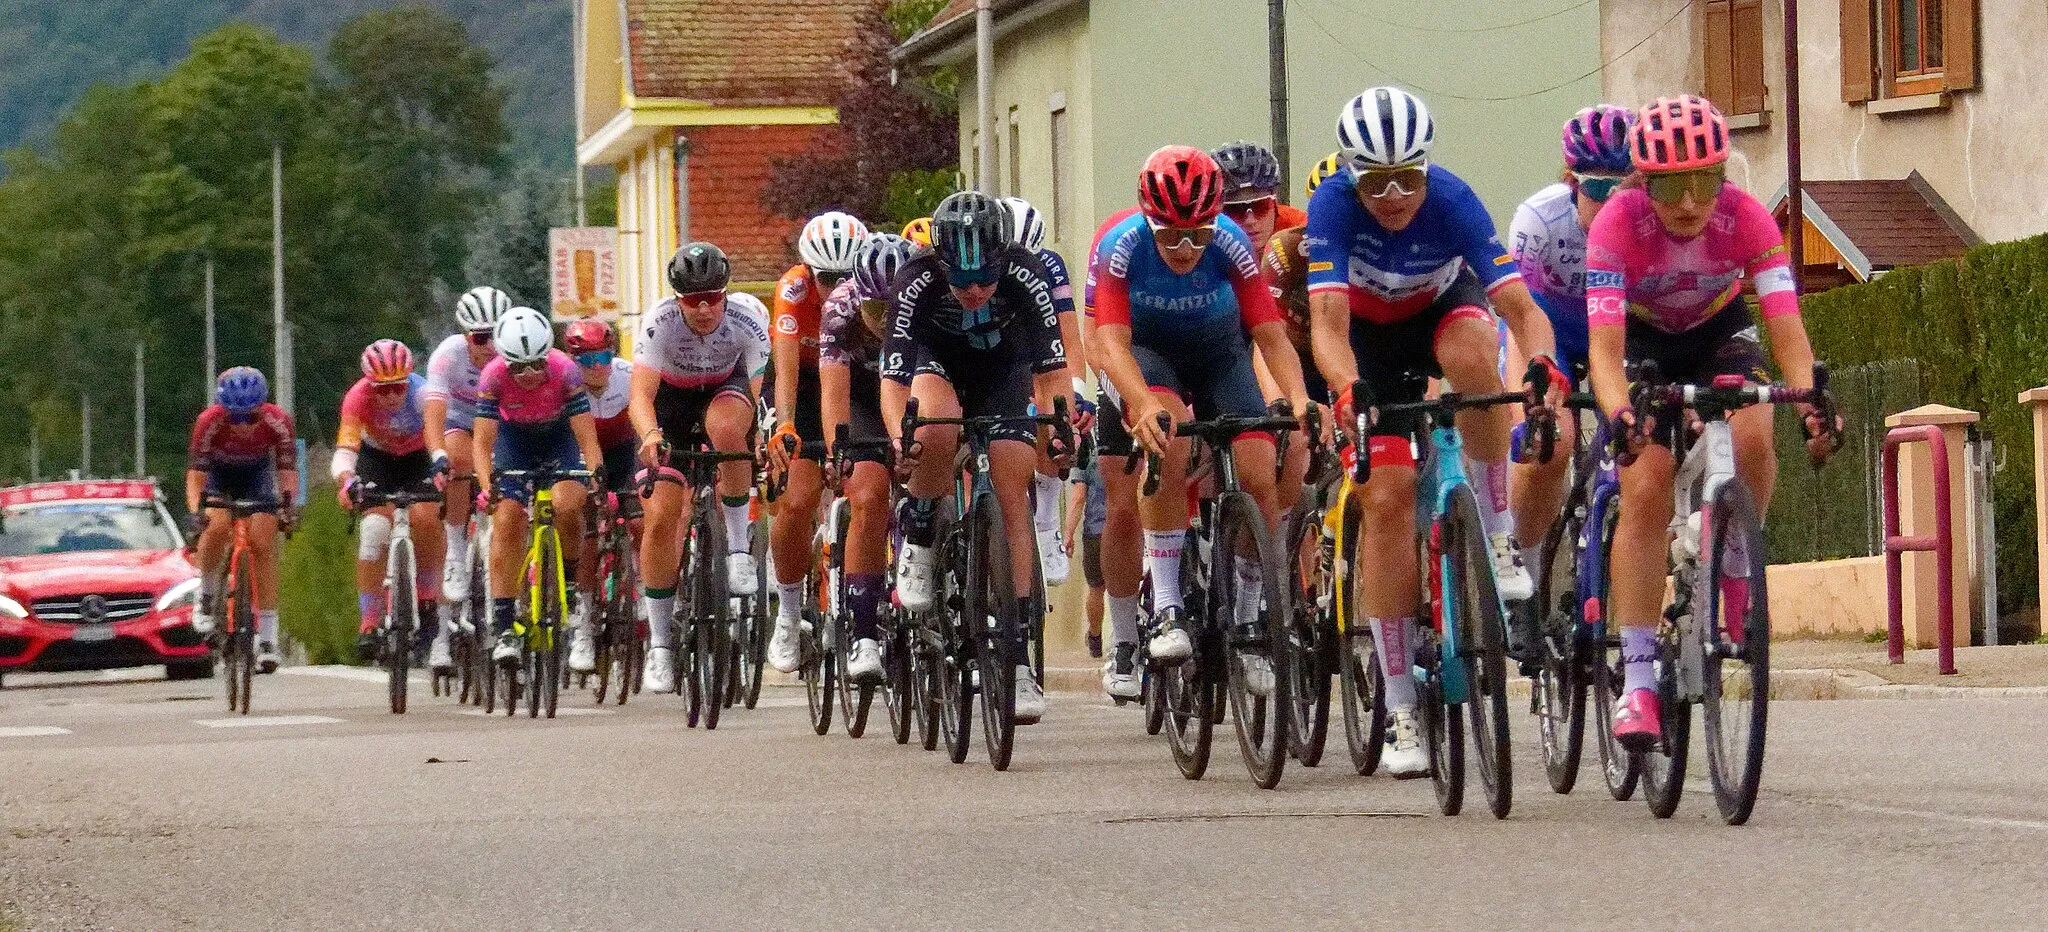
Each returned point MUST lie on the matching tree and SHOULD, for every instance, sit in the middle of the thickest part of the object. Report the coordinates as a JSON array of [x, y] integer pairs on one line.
[[884, 132], [508, 245]]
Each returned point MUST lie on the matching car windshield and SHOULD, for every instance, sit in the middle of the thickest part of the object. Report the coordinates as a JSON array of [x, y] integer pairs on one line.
[[84, 527]]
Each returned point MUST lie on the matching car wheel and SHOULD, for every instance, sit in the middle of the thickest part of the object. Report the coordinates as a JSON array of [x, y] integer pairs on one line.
[[190, 670]]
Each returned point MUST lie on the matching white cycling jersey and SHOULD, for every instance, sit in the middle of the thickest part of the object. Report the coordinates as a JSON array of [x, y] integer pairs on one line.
[[688, 359], [452, 378]]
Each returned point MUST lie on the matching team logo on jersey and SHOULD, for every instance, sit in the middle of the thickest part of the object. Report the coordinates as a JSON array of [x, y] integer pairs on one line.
[[795, 289], [1604, 278], [1322, 266], [1502, 259], [786, 324]]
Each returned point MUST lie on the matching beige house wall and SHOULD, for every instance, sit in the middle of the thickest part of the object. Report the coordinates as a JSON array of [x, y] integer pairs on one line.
[[1985, 153], [1042, 68]]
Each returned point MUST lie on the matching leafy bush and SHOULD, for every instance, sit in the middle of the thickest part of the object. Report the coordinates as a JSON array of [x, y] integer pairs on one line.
[[317, 595]]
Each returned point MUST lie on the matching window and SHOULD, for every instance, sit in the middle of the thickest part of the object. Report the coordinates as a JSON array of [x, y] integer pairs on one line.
[[1016, 153], [1733, 35], [1902, 48], [1062, 175]]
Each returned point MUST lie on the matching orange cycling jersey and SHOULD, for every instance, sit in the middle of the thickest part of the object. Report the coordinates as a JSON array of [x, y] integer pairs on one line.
[[798, 302]]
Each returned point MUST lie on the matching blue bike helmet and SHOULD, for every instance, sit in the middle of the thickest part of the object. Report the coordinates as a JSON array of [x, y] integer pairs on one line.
[[241, 389]]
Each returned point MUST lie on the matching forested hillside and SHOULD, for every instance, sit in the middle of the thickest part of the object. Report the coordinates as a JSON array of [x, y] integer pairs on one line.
[[52, 50]]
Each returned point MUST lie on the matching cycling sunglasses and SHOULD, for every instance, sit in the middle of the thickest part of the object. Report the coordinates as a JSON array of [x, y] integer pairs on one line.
[[390, 388], [479, 337], [528, 368], [1182, 237], [1598, 188], [981, 277], [1245, 210], [1379, 182], [701, 298], [594, 358], [829, 280], [1704, 184]]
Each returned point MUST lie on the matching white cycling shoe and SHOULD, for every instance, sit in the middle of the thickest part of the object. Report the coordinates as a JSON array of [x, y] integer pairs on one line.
[[439, 658], [1120, 675], [1171, 645], [1258, 674], [1509, 574], [455, 580], [202, 622], [1402, 754], [658, 674], [1030, 698], [864, 666], [739, 574], [266, 657], [785, 649], [915, 578], [1053, 561], [583, 651]]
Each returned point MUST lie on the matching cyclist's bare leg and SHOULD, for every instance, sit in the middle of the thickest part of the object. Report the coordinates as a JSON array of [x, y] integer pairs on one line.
[[1641, 541], [1756, 453], [508, 549], [796, 516], [461, 493], [263, 552], [429, 543], [661, 542], [1468, 351], [1255, 474], [212, 551], [1537, 489], [570, 498], [937, 444], [1386, 567], [867, 492], [1164, 513], [1293, 469], [1120, 547], [373, 536], [727, 421], [1010, 470]]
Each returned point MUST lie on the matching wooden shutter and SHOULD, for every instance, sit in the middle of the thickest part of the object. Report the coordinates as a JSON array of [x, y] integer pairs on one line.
[[1959, 44], [1856, 51], [1717, 36], [1746, 55]]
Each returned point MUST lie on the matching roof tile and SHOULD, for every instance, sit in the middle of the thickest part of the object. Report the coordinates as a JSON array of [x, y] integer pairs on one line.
[[756, 53], [1891, 220]]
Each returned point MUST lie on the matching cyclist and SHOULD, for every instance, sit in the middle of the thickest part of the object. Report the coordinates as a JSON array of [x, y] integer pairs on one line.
[[382, 441], [531, 413], [1251, 193], [973, 332], [827, 246], [919, 231], [607, 379], [1548, 240], [1027, 229], [242, 448], [1178, 288], [697, 366], [850, 370], [1665, 268], [1403, 262], [452, 373]]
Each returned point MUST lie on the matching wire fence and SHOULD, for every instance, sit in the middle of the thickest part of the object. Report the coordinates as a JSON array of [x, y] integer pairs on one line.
[[1839, 511]]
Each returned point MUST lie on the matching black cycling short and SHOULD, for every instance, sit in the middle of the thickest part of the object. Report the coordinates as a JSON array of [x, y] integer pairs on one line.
[[1112, 438], [1726, 344], [621, 467], [994, 383], [1397, 360], [864, 414], [253, 482], [393, 472], [679, 412], [1312, 377], [810, 427]]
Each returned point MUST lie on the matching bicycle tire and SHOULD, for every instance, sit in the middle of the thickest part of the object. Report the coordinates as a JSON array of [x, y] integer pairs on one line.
[[819, 660], [1310, 634], [543, 644], [1151, 689], [896, 664], [1360, 684], [1481, 649], [717, 662], [855, 700], [242, 675], [1444, 734], [991, 611], [483, 677], [1664, 764], [1734, 721], [957, 678], [606, 619], [1621, 769], [1187, 702], [1263, 723], [401, 621], [1557, 690], [927, 666]]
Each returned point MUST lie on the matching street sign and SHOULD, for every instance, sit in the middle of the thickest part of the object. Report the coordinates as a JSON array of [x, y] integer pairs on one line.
[[583, 272]]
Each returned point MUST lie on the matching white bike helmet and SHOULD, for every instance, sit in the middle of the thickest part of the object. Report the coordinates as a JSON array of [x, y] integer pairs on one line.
[[1385, 127], [481, 307], [740, 300], [1027, 225], [830, 240], [524, 335]]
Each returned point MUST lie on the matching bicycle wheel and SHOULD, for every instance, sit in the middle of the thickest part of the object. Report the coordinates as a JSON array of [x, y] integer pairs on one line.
[[1312, 640], [1736, 649], [897, 692], [855, 700], [1621, 769], [957, 678], [1443, 733], [715, 659], [992, 624], [759, 621], [1481, 648], [606, 620], [927, 669], [242, 665], [1360, 683], [819, 663], [1188, 704], [1664, 765], [1557, 690], [546, 648], [1263, 722], [401, 621], [477, 609]]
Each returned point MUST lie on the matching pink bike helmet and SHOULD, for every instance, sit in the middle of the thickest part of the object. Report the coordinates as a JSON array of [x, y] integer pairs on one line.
[[1677, 134]]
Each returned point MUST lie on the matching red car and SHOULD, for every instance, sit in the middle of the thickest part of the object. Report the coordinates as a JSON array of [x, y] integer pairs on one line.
[[93, 575]]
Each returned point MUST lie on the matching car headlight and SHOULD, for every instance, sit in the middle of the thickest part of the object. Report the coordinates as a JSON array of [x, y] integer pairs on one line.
[[12, 609], [181, 595]]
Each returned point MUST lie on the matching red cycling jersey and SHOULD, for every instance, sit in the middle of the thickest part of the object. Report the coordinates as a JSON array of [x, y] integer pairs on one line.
[[218, 439]]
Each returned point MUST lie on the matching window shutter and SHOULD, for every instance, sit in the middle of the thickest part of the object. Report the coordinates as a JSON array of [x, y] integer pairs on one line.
[[1959, 44], [1717, 37], [1856, 51], [1746, 55]]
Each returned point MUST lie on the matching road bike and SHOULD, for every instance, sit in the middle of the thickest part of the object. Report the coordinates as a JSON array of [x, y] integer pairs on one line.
[[236, 635], [705, 659], [620, 633], [543, 614], [398, 630]]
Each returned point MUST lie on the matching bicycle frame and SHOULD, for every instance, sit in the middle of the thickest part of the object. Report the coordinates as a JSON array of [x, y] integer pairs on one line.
[[1704, 469], [1437, 477]]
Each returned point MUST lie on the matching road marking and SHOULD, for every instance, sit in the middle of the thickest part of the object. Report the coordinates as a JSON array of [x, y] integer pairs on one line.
[[32, 731], [522, 712], [358, 674], [1872, 809], [251, 721]]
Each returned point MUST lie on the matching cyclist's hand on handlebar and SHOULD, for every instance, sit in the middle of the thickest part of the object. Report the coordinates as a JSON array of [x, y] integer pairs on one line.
[[1083, 418], [1545, 378], [346, 491], [1151, 426], [654, 450], [1822, 438], [782, 447], [441, 470], [906, 459], [1630, 433]]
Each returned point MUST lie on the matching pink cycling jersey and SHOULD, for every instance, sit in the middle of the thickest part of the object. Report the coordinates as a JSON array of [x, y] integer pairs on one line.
[[558, 397], [368, 420], [1634, 268]]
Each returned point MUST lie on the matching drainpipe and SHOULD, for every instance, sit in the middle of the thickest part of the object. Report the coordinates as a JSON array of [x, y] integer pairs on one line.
[[1276, 80], [984, 89], [1795, 197]]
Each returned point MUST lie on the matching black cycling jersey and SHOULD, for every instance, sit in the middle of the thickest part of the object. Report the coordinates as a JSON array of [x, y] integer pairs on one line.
[[927, 322]]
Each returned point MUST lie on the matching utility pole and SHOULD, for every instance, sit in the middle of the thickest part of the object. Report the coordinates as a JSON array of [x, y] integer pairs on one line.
[[1795, 190], [141, 467], [984, 92], [1276, 81], [575, 161], [35, 452], [85, 443], [211, 371], [282, 342]]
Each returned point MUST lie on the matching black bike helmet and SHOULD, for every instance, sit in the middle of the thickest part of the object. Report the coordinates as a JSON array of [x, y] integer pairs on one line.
[[969, 230], [699, 267], [1249, 170]]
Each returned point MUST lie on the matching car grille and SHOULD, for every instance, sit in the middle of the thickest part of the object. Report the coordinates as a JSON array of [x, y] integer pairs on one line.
[[111, 606]]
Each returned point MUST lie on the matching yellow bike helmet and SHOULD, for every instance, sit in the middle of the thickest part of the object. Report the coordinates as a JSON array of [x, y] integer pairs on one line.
[[919, 231], [1323, 170]]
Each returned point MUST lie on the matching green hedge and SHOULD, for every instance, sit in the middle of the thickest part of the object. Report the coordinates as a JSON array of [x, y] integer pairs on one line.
[[1978, 327], [317, 596]]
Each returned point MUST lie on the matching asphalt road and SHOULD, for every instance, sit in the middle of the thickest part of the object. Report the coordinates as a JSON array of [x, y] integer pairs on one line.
[[128, 805]]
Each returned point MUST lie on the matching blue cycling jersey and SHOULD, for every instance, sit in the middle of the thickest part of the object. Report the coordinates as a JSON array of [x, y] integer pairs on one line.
[[1391, 276], [1223, 295]]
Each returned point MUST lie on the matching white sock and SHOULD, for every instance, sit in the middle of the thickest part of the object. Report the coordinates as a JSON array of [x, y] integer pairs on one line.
[[792, 600], [1123, 619], [458, 541], [1045, 514], [738, 537], [660, 614], [1162, 560], [1250, 586], [1395, 640], [266, 626], [1490, 487]]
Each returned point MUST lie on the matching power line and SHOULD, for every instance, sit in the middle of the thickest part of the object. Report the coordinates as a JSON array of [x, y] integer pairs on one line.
[[1469, 30], [1535, 93]]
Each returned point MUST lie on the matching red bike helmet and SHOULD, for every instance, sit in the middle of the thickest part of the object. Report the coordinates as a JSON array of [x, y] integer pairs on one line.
[[1180, 186], [588, 335]]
